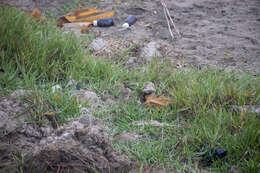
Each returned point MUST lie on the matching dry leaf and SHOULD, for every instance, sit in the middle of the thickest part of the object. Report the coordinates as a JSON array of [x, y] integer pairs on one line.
[[153, 100], [36, 14]]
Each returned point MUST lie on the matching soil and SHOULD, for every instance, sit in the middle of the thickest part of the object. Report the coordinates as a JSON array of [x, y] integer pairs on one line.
[[218, 33], [82, 145]]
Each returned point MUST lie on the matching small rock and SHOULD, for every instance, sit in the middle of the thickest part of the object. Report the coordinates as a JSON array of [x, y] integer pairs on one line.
[[150, 51], [149, 88], [127, 137], [98, 44]]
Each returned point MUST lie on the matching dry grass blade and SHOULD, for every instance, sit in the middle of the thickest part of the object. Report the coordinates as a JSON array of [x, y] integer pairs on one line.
[[168, 23], [168, 17]]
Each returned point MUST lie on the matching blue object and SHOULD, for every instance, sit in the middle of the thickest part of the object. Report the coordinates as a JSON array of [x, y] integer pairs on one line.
[[106, 22], [211, 154], [220, 153], [131, 20]]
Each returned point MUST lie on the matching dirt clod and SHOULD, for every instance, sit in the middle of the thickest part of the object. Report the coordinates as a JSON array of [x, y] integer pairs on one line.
[[82, 145], [79, 146]]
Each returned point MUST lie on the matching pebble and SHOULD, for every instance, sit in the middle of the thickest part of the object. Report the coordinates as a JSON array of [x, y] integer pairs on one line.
[[149, 88]]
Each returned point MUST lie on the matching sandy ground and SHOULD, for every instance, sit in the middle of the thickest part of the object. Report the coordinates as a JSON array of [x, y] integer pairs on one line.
[[218, 33]]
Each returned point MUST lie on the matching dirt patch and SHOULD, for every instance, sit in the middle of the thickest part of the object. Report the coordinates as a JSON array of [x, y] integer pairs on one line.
[[220, 33], [82, 145]]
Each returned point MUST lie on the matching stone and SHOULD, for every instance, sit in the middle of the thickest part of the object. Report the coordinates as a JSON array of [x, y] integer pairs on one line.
[[149, 88], [150, 51]]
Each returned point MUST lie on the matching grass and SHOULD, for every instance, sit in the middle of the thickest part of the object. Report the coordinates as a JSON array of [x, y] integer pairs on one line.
[[37, 56]]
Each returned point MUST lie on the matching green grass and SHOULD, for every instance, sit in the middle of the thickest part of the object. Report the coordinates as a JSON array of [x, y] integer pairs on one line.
[[200, 115], [37, 56]]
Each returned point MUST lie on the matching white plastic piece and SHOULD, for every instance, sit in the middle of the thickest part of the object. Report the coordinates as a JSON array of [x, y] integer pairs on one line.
[[95, 22], [56, 88], [125, 25]]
